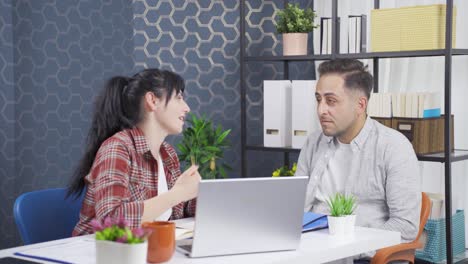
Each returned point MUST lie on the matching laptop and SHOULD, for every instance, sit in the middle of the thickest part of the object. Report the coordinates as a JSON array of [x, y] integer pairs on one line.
[[247, 215]]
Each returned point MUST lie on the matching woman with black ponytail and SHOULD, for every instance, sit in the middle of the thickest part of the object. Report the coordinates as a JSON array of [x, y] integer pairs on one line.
[[128, 170]]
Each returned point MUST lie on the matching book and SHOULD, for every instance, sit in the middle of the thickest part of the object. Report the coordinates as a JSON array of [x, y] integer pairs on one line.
[[181, 233], [184, 228], [324, 34], [352, 22], [313, 221]]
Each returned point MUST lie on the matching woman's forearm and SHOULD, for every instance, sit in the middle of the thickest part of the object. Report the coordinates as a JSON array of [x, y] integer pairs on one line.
[[157, 205]]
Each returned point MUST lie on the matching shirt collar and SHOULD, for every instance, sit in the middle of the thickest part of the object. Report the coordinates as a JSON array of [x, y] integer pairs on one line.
[[142, 147], [141, 144], [360, 139]]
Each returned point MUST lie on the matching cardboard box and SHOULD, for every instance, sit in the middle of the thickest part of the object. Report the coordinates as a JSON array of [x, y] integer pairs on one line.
[[425, 134], [410, 28]]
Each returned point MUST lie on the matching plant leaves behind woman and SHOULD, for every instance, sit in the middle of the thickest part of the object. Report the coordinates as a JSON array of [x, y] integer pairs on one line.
[[204, 144]]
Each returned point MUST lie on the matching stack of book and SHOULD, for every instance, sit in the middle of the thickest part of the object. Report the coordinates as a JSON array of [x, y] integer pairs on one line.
[[357, 36], [409, 105]]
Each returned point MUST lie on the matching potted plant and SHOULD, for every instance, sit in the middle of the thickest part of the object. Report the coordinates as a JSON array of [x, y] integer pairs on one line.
[[295, 24], [118, 244], [342, 218], [285, 171], [204, 144]]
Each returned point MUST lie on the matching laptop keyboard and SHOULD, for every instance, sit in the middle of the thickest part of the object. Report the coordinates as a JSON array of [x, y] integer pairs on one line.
[[186, 247]]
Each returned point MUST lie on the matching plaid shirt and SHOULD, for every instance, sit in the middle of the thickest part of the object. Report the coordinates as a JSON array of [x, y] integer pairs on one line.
[[125, 174]]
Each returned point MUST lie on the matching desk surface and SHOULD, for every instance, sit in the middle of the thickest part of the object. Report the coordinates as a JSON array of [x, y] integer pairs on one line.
[[315, 247]]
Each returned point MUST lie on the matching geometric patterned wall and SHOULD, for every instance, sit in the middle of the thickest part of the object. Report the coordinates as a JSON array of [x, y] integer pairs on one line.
[[55, 56], [200, 41], [63, 51], [7, 121]]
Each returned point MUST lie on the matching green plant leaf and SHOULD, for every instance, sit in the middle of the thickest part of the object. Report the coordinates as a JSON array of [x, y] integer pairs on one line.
[[204, 140], [341, 204], [223, 136], [293, 19]]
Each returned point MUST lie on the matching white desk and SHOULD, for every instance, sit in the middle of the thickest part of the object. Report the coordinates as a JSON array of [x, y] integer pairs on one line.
[[316, 247]]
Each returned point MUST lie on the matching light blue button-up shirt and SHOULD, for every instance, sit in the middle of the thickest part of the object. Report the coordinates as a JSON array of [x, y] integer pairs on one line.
[[384, 177]]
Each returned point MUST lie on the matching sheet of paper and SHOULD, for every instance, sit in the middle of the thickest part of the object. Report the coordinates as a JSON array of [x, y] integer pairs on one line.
[[185, 223], [76, 251], [184, 228]]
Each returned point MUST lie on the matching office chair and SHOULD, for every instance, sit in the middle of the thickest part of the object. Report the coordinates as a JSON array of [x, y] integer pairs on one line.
[[46, 215], [405, 251]]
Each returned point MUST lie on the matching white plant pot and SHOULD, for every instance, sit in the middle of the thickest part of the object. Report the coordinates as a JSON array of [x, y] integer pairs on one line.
[[341, 225], [120, 253], [294, 44]]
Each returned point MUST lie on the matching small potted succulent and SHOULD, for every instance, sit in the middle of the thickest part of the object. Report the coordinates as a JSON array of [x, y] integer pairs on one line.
[[295, 24], [342, 218], [118, 244]]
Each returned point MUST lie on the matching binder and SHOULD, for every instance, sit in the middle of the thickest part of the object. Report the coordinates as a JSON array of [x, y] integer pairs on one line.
[[324, 24], [313, 221], [304, 111], [277, 113]]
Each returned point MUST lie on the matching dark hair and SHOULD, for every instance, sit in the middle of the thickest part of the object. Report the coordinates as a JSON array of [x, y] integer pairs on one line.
[[119, 107], [356, 76]]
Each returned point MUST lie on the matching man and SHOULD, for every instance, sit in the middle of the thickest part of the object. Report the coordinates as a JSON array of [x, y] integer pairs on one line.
[[355, 154]]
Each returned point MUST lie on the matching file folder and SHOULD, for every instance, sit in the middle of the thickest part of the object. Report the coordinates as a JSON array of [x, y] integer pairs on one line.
[[304, 111], [313, 221], [277, 113]]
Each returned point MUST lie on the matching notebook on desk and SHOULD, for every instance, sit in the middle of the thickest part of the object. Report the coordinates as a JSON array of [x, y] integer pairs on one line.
[[236, 216]]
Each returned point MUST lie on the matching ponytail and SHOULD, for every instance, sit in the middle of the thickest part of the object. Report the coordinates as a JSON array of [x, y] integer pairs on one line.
[[118, 108], [109, 118]]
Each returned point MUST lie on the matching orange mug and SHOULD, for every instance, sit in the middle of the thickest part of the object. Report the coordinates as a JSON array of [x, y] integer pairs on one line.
[[161, 242]]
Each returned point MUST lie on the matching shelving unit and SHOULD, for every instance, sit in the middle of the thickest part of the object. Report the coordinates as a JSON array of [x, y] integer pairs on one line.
[[447, 157]]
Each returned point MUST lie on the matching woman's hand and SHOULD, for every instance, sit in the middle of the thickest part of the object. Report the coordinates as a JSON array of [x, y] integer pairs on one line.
[[187, 184]]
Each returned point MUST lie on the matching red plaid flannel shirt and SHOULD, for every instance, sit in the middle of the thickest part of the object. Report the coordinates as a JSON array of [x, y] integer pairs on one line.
[[123, 175]]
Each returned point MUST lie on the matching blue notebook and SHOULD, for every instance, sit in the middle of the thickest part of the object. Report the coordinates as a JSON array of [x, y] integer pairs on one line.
[[312, 221]]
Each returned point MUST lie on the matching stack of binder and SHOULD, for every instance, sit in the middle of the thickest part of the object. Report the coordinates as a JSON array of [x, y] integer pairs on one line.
[[290, 114]]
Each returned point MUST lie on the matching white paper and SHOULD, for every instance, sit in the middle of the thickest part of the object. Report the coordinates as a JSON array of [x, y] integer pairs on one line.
[[185, 223], [75, 251], [184, 228]]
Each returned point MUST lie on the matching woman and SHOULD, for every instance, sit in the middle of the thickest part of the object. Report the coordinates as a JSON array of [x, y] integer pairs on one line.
[[128, 170]]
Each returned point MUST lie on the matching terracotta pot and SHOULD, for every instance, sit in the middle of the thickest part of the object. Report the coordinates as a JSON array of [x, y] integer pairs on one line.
[[161, 242], [294, 44]]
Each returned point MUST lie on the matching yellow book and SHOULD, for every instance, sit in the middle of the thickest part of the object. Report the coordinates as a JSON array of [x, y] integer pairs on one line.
[[410, 28]]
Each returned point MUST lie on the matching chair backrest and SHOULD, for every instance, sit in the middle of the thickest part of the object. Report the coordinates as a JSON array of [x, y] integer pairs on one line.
[[425, 211], [46, 215]]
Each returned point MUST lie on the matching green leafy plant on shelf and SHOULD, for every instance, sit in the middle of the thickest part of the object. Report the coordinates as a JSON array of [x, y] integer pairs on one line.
[[285, 171], [204, 144], [294, 19], [341, 204]]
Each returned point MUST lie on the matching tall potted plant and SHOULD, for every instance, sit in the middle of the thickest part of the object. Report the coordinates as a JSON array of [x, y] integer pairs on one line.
[[204, 144], [342, 218], [295, 24]]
